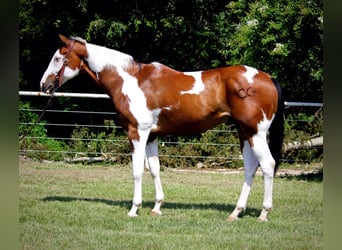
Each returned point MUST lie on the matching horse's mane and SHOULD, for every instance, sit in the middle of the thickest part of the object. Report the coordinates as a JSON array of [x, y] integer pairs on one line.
[[78, 39]]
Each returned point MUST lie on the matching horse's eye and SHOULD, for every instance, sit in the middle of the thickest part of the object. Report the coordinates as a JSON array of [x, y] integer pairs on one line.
[[57, 59]]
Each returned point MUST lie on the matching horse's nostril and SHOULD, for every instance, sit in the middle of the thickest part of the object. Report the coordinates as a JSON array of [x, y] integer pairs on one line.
[[47, 88]]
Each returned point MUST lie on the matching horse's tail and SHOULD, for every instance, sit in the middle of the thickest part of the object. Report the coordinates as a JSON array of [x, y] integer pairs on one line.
[[276, 131]]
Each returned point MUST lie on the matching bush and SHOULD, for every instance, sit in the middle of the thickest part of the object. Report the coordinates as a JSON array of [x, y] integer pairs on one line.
[[215, 148], [107, 142], [301, 127], [188, 151], [34, 142]]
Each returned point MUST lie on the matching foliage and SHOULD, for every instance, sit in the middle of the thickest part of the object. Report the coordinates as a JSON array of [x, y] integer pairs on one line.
[[93, 143], [29, 118], [174, 151], [301, 127], [282, 37], [35, 142], [215, 148]]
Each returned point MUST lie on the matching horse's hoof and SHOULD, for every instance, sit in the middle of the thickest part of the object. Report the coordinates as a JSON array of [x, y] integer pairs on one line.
[[262, 219], [156, 213], [232, 218], [263, 214], [132, 215]]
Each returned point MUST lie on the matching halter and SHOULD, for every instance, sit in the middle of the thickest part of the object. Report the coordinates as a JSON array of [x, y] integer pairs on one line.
[[57, 83], [59, 78]]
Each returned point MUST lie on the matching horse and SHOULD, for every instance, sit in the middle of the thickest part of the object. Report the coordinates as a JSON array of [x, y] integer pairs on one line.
[[152, 100]]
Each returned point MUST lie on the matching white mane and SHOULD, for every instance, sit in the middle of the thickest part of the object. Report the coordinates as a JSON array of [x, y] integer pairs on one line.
[[78, 39]]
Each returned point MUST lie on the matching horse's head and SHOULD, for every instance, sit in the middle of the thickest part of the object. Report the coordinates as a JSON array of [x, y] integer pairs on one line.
[[65, 64]]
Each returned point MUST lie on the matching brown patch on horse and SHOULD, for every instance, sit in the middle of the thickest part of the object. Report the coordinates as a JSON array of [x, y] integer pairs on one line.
[[134, 68], [183, 114], [79, 51], [110, 77], [85, 67], [253, 100], [162, 85]]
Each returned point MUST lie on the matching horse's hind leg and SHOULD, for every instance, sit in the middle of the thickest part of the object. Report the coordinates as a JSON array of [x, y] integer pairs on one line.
[[250, 166], [267, 163], [152, 161]]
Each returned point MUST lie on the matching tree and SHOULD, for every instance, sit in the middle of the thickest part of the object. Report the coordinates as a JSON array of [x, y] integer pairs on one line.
[[283, 38]]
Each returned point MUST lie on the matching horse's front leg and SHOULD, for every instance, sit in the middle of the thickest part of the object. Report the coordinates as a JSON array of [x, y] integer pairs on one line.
[[152, 160], [138, 144]]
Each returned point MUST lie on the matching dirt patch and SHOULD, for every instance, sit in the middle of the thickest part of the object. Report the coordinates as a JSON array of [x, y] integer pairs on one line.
[[280, 173], [62, 170], [29, 167]]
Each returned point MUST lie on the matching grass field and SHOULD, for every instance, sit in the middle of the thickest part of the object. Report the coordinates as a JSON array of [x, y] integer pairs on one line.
[[65, 206]]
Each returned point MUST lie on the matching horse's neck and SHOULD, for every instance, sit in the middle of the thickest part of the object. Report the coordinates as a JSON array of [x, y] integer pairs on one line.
[[107, 67], [100, 58]]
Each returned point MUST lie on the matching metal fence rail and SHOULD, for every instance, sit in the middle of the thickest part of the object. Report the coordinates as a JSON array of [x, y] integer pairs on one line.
[[122, 141]]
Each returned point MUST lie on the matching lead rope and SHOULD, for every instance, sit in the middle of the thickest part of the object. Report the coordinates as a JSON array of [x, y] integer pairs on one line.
[[47, 106]]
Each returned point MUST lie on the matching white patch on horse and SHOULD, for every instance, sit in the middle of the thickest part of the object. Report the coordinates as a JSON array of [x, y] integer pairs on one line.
[[100, 57], [168, 108], [70, 73], [157, 65], [198, 86], [147, 119], [54, 67], [264, 124], [155, 116], [250, 73], [264, 156], [250, 166]]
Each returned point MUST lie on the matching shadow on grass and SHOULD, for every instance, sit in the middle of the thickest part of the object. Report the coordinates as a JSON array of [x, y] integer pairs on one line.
[[167, 205], [316, 176]]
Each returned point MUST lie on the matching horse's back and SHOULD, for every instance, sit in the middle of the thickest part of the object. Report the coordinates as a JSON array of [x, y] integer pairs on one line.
[[193, 102]]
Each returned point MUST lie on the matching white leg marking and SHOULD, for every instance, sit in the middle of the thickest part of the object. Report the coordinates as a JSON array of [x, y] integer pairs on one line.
[[138, 157], [267, 163], [250, 166], [152, 158]]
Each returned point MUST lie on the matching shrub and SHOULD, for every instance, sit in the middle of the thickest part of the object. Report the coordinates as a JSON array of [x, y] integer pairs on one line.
[[188, 151], [301, 127], [107, 142], [35, 143]]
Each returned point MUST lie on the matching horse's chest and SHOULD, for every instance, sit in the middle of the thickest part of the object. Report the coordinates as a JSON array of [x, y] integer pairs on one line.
[[135, 105]]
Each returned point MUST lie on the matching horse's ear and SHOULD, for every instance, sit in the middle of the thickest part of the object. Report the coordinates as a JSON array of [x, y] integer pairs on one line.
[[64, 39]]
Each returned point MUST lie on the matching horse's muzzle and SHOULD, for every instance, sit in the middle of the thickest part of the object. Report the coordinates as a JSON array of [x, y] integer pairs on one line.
[[49, 86]]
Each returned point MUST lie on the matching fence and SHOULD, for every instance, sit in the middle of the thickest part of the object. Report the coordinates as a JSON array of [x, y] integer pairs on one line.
[[86, 135]]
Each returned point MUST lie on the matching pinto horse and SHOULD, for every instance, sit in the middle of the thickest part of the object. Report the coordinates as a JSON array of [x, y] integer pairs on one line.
[[154, 100]]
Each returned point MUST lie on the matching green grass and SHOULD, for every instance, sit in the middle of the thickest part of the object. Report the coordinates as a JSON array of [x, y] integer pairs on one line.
[[85, 207]]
